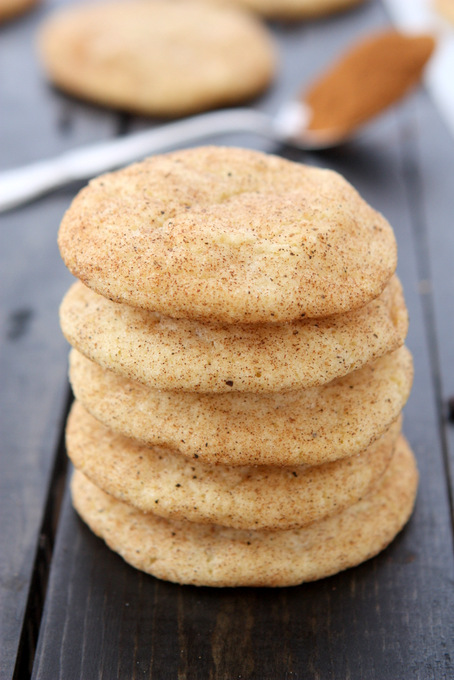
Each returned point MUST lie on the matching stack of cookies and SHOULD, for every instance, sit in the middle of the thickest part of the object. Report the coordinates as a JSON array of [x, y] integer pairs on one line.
[[238, 367]]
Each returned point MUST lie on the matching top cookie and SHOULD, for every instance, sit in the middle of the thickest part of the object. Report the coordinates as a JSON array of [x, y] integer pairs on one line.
[[157, 57], [229, 235]]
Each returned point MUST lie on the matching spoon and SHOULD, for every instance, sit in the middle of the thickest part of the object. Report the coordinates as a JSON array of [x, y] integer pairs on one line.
[[353, 80]]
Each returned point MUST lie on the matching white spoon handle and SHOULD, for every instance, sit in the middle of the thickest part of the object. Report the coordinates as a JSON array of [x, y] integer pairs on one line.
[[20, 185]]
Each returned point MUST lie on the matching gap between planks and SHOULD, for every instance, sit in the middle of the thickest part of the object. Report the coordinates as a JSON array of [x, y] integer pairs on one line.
[[414, 189], [43, 557]]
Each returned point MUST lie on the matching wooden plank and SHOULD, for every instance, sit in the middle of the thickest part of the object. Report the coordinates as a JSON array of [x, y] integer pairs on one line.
[[36, 122], [32, 398], [431, 140], [389, 618]]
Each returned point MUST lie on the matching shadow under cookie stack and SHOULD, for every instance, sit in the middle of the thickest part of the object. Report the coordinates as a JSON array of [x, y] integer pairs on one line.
[[238, 367]]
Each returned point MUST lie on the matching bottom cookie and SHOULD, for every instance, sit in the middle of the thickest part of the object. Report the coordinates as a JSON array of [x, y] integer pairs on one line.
[[209, 555]]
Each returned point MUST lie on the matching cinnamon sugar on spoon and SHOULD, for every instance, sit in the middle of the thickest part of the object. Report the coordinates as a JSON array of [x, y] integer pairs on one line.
[[369, 78]]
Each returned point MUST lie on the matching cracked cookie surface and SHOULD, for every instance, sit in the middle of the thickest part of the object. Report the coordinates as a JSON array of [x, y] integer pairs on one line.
[[228, 235]]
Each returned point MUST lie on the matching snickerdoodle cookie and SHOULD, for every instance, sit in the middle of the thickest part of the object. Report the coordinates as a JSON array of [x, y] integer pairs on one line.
[[228, 235], [290, 10], [157, 57], [445, 8], [181, 354], [12, 8], [209, 555], [303, 427], [160, 480]]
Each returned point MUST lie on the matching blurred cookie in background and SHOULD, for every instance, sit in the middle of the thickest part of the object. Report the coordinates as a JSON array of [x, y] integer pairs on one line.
[[158, 58], [9, 9], [445, 8], [289, 10]]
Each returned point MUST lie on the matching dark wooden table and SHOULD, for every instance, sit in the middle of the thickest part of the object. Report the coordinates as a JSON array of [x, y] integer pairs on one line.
[[70, 609]]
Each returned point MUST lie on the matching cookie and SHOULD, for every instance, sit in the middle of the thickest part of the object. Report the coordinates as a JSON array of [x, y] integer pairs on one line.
[[289, 10], [228, 235], [160, 480], [446, 9], [12, 8], [209, 555], [305, 427], [171, 354], [156, 57]]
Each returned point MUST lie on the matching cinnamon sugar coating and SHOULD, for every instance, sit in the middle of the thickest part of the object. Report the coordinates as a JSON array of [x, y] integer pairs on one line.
[[209, 555], [303, 427], [160, 480], [228, 235], [172, 354]]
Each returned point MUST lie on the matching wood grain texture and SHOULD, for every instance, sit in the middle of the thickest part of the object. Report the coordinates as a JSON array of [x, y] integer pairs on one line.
[[32, 352], [392, 617], [429, 168]]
